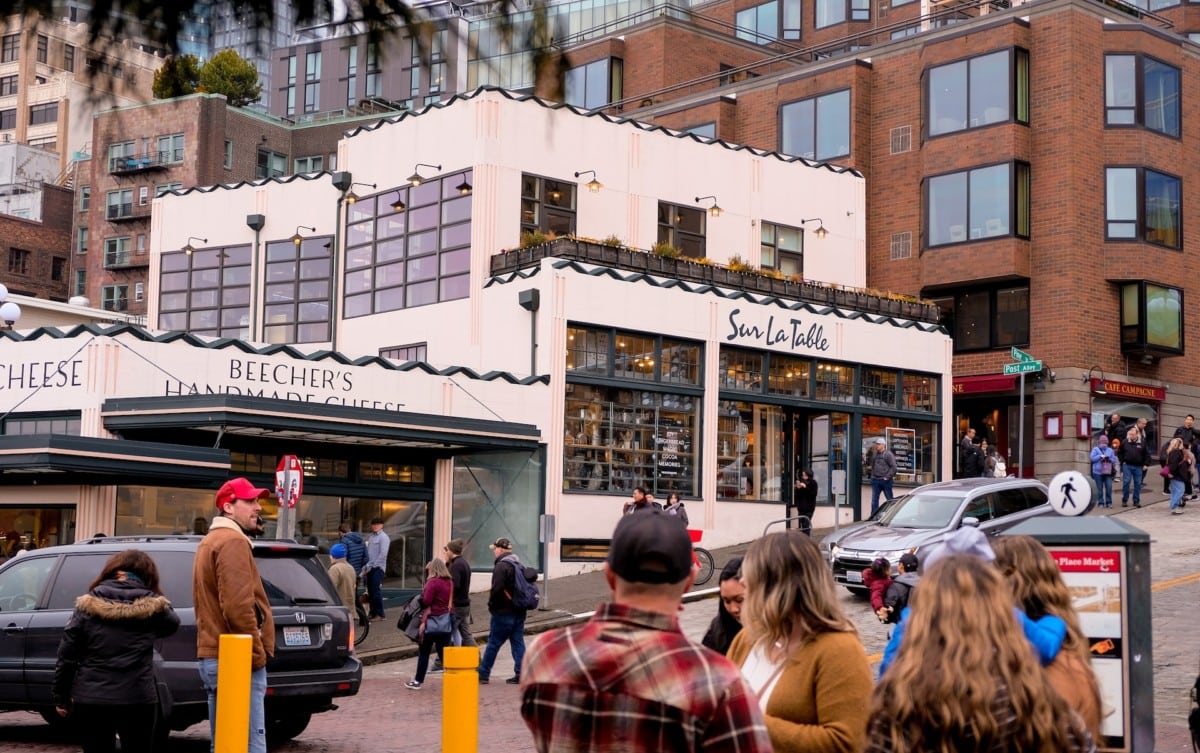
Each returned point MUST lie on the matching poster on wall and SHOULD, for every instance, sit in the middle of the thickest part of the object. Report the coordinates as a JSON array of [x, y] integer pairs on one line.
[[1093, 575], [903, 444]]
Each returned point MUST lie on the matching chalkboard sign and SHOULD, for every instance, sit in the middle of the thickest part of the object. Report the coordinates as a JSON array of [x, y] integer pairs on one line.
[[903, 444]]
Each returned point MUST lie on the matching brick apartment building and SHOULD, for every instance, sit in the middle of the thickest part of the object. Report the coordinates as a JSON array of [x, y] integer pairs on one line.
[[143, 151], [36, 257]]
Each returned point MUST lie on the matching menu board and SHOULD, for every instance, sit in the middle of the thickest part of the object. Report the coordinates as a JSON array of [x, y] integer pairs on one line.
[[903, 444]]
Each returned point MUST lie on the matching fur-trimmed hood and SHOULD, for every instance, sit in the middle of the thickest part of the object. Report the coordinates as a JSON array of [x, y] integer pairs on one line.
[[115, 600]]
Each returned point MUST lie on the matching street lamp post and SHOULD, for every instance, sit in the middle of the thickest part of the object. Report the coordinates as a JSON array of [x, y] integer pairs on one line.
[[343, 181], [10, 312]]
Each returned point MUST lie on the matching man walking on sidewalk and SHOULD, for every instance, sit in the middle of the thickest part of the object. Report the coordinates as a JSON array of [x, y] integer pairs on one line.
[[508, 621], [628, 679]]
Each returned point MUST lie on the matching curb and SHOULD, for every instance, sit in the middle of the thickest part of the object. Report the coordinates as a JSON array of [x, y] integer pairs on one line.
[[562, 619]]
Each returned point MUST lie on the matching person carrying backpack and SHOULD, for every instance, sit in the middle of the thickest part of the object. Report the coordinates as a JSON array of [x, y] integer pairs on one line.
[[900, 589], [508, 603]]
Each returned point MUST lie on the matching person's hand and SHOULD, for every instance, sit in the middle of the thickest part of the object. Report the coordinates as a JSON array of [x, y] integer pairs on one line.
[[62, 711]]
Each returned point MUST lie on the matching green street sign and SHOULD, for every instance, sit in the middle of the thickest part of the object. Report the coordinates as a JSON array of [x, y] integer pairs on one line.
[[1020, 355], [1024, 367]]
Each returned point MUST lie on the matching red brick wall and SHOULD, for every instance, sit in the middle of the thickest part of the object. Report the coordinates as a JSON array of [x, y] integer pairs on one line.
[[44, 241]]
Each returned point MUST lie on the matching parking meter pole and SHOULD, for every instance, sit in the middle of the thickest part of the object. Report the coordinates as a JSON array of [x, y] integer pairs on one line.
[[233, 694], [460, 700]]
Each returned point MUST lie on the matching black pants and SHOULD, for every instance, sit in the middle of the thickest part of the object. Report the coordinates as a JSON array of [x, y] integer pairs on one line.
[[97, 726]]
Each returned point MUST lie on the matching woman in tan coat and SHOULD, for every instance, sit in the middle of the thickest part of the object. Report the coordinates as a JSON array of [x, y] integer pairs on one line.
[[798, 651]]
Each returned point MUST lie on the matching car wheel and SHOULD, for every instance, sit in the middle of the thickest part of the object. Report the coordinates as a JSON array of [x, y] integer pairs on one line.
[[859, 592], [52, 718], [284, 728]]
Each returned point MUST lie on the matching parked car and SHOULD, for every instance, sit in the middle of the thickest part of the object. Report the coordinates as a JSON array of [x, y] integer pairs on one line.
[[918, 521], [834, 537], [314, 660]]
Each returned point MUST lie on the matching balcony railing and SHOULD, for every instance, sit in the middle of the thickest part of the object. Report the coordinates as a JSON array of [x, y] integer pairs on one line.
[[116, 304], [125, 259], [126, 212], [681, 268], [131, 164]]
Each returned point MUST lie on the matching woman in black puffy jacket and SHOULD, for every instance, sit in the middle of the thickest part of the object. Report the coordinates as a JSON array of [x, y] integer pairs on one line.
[[104, 679]]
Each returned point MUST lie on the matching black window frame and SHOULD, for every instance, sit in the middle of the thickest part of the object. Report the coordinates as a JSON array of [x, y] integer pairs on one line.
[[543, 211], [816, 103], [1018, 92], [8, 85], [1139, 107], [205, 280], [950, 317], [672, 230], [10, 48], [8, 119], [1141, 234], [855, 11], [779, 254], [1135, 330], [614, 83], [1020, 183], [43, 113]]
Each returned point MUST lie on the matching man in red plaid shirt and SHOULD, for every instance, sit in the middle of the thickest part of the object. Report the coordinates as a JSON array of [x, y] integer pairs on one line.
[[628, 680]]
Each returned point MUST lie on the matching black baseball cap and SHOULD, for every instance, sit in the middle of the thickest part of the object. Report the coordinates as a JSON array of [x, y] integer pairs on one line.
[[909, 560], [650, 547]]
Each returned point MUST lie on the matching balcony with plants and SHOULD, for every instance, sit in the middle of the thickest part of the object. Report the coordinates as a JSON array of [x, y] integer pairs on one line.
[[666, 261]]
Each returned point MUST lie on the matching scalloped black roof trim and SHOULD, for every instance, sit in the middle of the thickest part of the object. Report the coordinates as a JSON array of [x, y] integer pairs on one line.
[[240, 183], [607, 118], [734, 295], [100, 330]]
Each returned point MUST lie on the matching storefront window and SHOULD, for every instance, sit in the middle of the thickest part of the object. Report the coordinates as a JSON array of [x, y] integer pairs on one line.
[[914, 443], [835, 382], [29, 528], [921, 393], [617, 439], [750, 463], [637, 356], [788, 376], [498, 494], [879, 388], [149, 510]]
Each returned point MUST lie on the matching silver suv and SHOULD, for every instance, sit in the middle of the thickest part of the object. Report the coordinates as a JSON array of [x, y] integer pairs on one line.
[[314, 658], [923, 518]]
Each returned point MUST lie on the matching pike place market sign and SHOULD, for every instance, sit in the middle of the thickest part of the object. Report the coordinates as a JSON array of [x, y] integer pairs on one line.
[[793, 332]]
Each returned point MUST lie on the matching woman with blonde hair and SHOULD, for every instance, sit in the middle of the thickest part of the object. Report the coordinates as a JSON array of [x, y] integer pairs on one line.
[[798, 651], [1037, 585], [437, 622], [965, 678]]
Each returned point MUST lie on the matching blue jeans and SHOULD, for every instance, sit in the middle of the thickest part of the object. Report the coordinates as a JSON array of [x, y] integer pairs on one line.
[[1176, 492], [258, 715], [1131, 479], [504, 628], [375, 592], [880, 485], [1103, 489]]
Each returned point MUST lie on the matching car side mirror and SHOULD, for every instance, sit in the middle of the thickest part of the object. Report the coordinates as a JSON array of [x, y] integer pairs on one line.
[[969, 522]]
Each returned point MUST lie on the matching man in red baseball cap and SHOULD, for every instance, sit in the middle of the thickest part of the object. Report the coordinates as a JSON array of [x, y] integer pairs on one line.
[[229, 598]]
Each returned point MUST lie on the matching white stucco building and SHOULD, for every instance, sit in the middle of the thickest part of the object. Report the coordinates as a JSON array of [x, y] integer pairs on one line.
[[423, 373]]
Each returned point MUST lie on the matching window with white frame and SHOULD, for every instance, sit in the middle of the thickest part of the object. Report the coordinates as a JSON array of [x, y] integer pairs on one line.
[[114, 297]]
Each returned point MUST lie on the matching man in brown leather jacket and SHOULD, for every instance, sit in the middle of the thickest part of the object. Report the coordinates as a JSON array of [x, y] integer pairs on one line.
[[229, 598]]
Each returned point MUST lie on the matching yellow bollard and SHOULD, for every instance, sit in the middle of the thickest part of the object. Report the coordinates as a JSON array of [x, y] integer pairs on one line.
[[460, 700], [234, 656]]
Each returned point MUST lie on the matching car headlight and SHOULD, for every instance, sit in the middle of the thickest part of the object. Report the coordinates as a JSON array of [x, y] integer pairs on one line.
[[834, 550]]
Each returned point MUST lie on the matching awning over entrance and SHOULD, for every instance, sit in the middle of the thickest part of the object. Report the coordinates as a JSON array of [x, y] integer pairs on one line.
[[314, 422], [36, 455], [970, 385]]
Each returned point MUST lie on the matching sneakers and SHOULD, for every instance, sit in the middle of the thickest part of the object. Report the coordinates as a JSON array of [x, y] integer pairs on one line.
[[1177, 510], [483, 681], [513, 680], [412, 685], [437, 669]]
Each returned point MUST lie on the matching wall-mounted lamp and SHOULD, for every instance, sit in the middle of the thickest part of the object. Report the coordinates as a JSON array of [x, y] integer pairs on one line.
[[189, 248], [10, 312], [352, 197], [820, 232], [398, 205], [1098, 389], [415, 179], [342, 180], [715, 209], [297, 239], [463, 188], [593, 185]]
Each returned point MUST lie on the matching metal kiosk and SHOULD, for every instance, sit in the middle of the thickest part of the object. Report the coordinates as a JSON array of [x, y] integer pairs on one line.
[[1106, 566]]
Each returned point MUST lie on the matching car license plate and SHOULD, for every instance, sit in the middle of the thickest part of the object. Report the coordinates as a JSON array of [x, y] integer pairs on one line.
[[296, 636], [852, 576]]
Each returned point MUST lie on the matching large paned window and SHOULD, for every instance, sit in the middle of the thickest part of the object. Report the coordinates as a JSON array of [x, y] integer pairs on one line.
[[351, 75], [782, 249], [18, 260], [977, 92], [114, 297], [41, 423], [913, 443], [1141, 91], [43, 48], [759, 24], [119, 152], [830, 12], [1143, 204], [8, 119], [270, 164], [547, 205], [206, 292], [297, 296], [312, 79], [43, 113], [595, 84], [8, 85], [986, 202], [816, 128], [986, 318], [1151, 319], [497, 494], [746, 468], [10, 45], [116, 252], [408, 247], [406, 353], [642, 433], [683, 228]]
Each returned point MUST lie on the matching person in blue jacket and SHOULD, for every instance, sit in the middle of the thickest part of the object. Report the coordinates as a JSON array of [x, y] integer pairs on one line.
[[1046, 635]]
